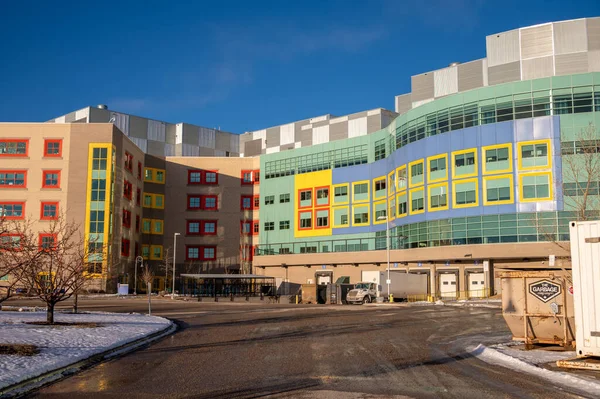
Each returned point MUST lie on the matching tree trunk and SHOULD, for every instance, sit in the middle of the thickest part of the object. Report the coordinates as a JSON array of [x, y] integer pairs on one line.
[[50, 314], [75, 303]]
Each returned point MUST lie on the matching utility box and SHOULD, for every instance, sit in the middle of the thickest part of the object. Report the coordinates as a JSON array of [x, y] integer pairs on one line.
[[585, 263], [538, 307]]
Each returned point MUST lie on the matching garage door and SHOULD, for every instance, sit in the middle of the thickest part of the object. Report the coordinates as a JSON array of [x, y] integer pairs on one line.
[[476, 285], [448, 286]]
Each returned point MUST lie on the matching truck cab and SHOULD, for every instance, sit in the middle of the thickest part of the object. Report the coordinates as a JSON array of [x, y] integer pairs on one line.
[[363, 292]]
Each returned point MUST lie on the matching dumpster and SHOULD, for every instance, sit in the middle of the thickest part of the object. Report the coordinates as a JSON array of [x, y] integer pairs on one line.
[[538, 306]]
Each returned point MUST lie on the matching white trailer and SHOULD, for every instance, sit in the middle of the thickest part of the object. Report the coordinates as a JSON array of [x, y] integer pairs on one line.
[[401, 284], [585, 263]]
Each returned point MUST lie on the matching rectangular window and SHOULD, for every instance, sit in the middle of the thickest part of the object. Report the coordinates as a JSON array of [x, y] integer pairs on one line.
[[465, 193], [380, 209], [201, 253], [209, 253], [269, 226], [438, 197], [138, 196], [47, 241], [401, 180], [159, 176], [53, 147], [51, 179], [535, 187], [340, 217], [247, 202], [322, 194], [209, 227], [340, 194], [498, 190], [416, 173], [360, 191], [128, 161], [322, 218], [209, 202], [464, 163], [194, 177], [159, 201], [146, 226], [284, 225], [125, 243], [438, 168], [147, 200], [145, 251], [10, 241], [49, 211], [127, 190], [305, 197], [305, 220], [148, 175], [137, 223], [534, 155], [417, 201], [360, 215], [391, 183], [14, 148], [211, 177], [156, 252], [250, 177], [255, 227], [401, 199], [194, 201], [157, 226], [497, 159], [12, 210], [126, 218], [139, 170], [256, 202], [269, 200], [153, 175], [193, 253], [193, 227], [246, 228], [379, 187], [284, 198]]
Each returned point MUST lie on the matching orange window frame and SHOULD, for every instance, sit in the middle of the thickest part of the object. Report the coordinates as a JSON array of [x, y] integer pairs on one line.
[[328, 196], [44, 203], [24, 185], [26, 141], [312, 198], [316, 227], [13, 203], [47, 172], [312, 225], [53, 141]]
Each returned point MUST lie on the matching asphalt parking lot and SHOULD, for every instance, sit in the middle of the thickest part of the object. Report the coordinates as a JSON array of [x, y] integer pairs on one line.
[[240, 350]]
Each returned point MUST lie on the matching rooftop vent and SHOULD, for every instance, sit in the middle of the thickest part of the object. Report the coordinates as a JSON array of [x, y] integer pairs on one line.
[[102, 106]]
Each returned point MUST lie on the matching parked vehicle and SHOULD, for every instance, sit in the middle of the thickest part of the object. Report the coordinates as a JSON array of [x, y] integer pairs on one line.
[[374, 285], [363, 292]]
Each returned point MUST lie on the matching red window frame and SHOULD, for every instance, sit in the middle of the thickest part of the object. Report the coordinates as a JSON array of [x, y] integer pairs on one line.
[[190, 172], [328, 196], [189, 197], [47, 172], [42, 217], [255, 227], [45, 235], [6, 155], [12, 235], [204, 181], [127, 189], [24, 172], [314, 222], [255, 177], [138, 197], [206, 207], [53, 141], [203, 228], [126, 218], [251, 198], [137, 223], [311, 218], [193, 233], [4, 203], [128, 161], [249, 224], [248, 254], [312, 198], [200, 249], [139, 170], [125, 246]]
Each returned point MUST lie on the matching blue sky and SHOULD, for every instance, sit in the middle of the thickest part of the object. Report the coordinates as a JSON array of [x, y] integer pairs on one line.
[[241, 65]]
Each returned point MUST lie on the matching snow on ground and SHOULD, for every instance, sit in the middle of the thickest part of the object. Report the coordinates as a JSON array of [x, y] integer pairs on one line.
[[61, 346], [509, 358]]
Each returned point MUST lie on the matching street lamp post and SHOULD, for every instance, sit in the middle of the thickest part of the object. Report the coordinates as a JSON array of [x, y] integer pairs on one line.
[[174, 259], [387, 246], [141, 260]]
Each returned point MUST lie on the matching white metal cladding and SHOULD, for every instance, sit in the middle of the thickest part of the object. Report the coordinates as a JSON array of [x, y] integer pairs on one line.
[[417, 103], [141, 143], [188, 150], [286, 134], [261, 134], [585, 263], [179, 133], [536, 41], [82, 113], [234, 143], [570, 64], [374, 112], [297, 144], [535, 68], [121, 121], [60, 119], [445, 81], [503, 48], [319, 119], [338, 120], [206, 137], [272, 150], [306, 127], [169, 150], [357, 127], [594, 61], [320, 135], [570, 37], [157, 131]]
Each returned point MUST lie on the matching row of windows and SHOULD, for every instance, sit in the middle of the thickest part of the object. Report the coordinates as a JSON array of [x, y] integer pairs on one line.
[[152, 226], [250, 176], [306, 199], [152, 252], [196, 202], [18, 178], [20, 148], [156, 201], [209, 177], [13, 241], [249, 202], [201, 227], [249, 227], [16, 210], [200, 252], [338, 158], [518, 106], [283, 199], [153, 175]]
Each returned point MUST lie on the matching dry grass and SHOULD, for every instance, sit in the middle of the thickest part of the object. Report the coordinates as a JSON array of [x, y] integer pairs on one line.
[[19, 350]]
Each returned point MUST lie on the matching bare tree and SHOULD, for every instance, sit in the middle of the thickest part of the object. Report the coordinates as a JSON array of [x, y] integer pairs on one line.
[[166, 264], [245, 242], [13, 260], [56, 261], [148, 277]]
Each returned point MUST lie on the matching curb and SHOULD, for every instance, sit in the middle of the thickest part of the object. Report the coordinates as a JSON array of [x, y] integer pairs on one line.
[[21, 388]]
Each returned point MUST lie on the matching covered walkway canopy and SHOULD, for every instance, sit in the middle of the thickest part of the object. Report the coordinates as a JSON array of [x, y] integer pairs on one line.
[[215, 285]]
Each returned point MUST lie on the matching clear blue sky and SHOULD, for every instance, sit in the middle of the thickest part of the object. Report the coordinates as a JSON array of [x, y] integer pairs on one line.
[[241, 65]]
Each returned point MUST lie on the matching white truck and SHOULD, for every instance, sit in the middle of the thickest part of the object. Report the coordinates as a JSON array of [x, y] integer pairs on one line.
[[374, 285]]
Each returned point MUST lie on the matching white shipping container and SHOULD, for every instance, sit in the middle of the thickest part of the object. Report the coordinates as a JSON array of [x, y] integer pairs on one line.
[[585, 261]]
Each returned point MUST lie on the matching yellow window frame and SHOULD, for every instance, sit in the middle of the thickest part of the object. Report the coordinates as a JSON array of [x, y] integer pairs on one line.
[[391, 183], [154, 197], [398, 188], [462, 152], [333, 201], [375, 203], [410, 198], [433, 158], [378, 179], [459, 206], [409, 174], [392, 215], [144, 195], [152, 248], [496, 177], [144, 221], [368, 183], [548, 143], [495, 147], [355, 207], [148, 248], [439, 208], [153, 223], [332, 217], [153, 174], [550, 187], [401, 215]]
